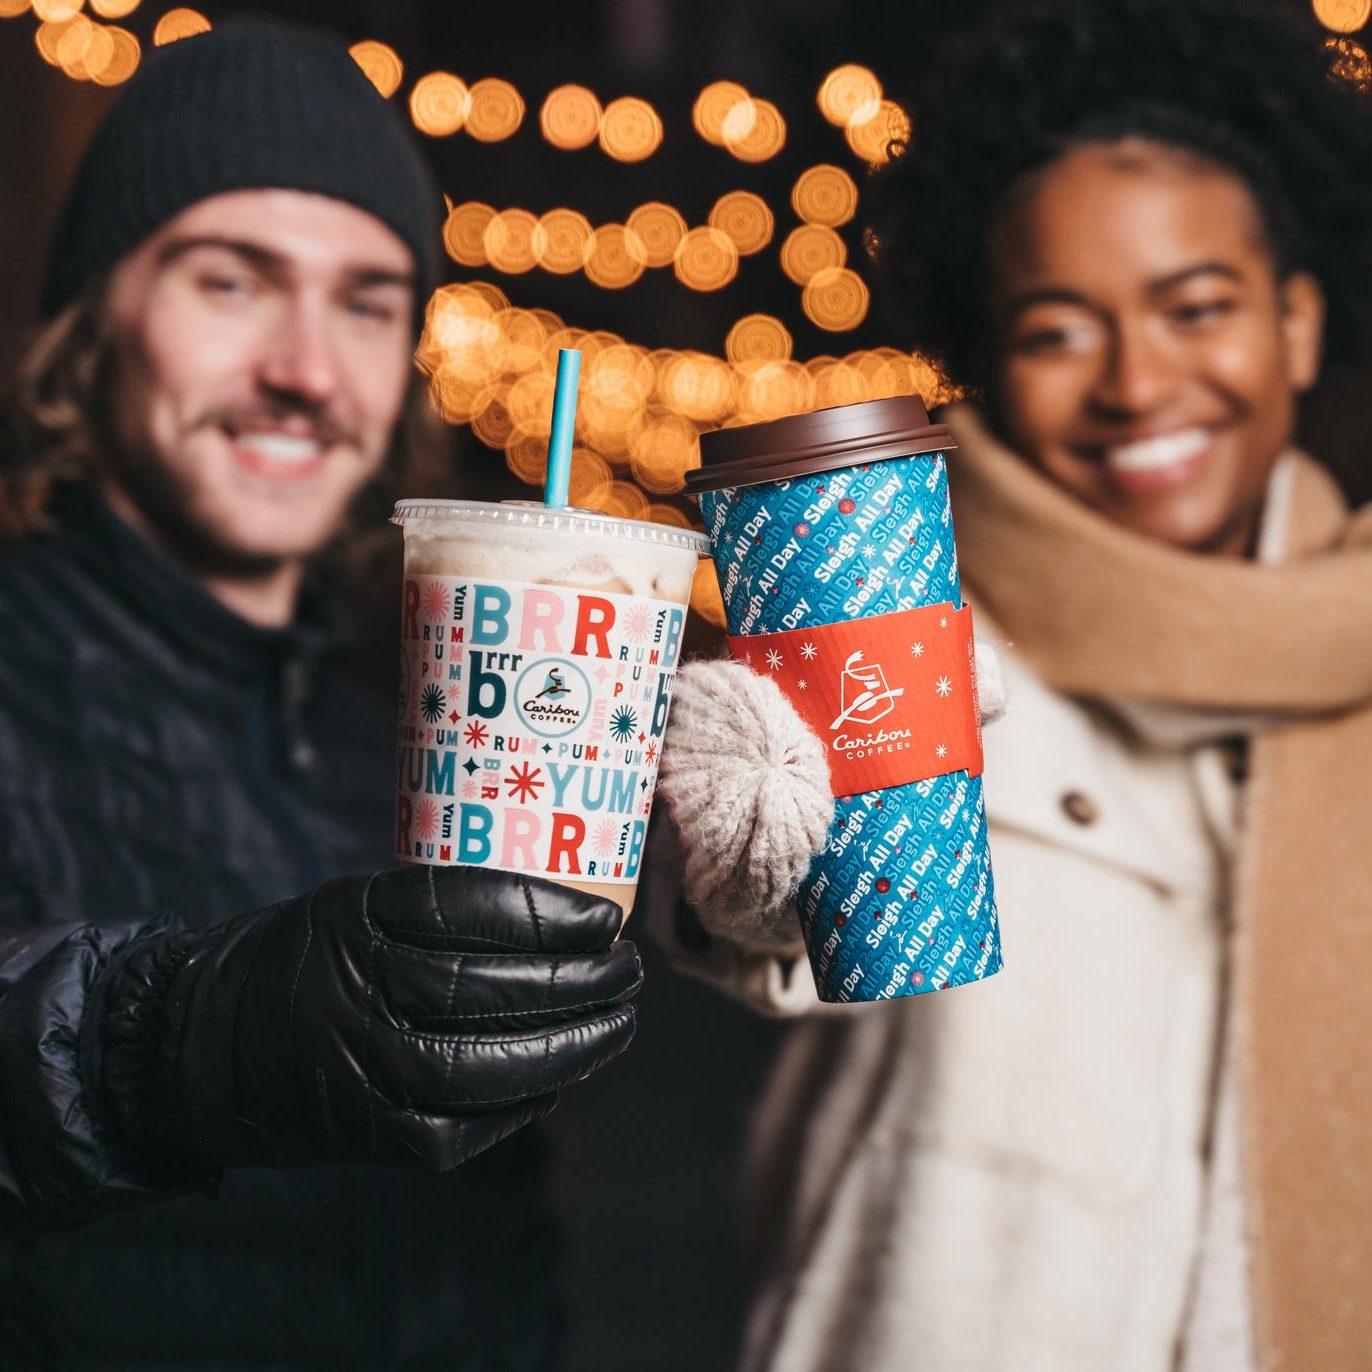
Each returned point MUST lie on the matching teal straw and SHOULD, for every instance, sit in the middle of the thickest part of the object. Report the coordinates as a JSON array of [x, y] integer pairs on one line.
[[564, 423]]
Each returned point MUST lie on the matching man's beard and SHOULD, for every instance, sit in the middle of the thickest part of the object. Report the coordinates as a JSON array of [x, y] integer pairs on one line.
[[166, 498]]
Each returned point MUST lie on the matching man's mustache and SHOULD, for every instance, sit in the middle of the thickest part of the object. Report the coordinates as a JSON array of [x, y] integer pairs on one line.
[[307, 421]]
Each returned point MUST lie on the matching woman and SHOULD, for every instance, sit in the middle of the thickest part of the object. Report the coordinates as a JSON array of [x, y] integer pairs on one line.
[[1134, 231]]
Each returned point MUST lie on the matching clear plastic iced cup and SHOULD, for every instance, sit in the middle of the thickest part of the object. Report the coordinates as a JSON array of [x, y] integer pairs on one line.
[[538, 649]]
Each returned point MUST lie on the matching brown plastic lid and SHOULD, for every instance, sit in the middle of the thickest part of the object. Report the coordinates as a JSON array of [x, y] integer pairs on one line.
[[820, 441]]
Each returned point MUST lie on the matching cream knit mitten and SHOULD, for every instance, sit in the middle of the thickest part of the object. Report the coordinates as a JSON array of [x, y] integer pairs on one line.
[[747, 783]]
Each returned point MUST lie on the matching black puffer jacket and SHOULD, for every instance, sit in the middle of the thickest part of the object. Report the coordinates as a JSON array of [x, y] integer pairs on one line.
[[162, 760]]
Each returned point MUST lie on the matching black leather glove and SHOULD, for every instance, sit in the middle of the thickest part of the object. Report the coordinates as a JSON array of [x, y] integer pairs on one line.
[[408, 1018]]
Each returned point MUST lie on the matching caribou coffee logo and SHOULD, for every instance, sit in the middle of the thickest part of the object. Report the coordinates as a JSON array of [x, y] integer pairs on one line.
[[552, 697], [864, 696]]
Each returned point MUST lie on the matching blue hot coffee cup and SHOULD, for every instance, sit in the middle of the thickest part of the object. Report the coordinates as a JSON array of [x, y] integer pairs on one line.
[[832, 537]]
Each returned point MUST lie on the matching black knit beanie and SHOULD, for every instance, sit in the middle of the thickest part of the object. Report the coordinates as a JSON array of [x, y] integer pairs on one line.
[[254, 103]]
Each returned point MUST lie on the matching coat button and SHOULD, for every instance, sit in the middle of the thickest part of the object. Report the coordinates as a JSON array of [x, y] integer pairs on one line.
[[1079, 808]]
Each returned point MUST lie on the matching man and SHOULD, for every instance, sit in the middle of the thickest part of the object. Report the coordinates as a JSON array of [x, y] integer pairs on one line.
[[225, 381]]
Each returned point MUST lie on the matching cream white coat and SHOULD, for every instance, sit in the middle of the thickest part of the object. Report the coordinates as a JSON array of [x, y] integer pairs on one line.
[[1008, 1177]]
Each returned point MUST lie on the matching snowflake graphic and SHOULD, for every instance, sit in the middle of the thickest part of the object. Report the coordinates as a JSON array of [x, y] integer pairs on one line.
[[623, 723], [524, 782], [637, 623], [432, 703], [943, 623], [435, 600], [650, 754], [941, 750], [469, 789], [943, 686], [802, 684], [868, 551], [808, 651], [606, 836], [773, 659], [475, 733], [917, 649], [426, 819]]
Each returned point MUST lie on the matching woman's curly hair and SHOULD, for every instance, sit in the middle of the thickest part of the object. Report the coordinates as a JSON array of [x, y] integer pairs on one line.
[[1245, 84]]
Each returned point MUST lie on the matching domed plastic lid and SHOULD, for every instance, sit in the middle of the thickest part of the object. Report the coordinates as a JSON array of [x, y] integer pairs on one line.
[[530, 514], [820, 441]]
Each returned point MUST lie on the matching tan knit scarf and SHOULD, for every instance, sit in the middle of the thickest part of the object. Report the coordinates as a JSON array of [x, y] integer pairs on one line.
[[1102, 612]]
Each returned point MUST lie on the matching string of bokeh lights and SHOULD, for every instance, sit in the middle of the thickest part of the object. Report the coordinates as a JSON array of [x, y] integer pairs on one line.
[[491, 364]]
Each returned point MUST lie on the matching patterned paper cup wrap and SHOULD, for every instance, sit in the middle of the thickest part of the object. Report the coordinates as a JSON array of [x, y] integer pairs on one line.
[[840, 582], [538, 649]]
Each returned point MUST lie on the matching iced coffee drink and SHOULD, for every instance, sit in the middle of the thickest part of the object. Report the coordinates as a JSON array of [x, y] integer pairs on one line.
[[538, 649]]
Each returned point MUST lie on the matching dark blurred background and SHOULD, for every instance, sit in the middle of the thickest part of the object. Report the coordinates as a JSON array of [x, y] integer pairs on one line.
[[647, 1151]]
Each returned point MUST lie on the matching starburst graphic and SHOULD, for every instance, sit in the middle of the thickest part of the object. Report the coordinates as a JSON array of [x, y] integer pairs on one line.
[[432, 703], [941, 750], [868, 551], [773, 659], [808, 651], [943, 623], [802, 684], [606, 836], [623, 723], [523, 782], [943, 686], [637, 623], [475, 733], [469, 789], [650, 753], [917, 649], [435, 600], [426, 819]]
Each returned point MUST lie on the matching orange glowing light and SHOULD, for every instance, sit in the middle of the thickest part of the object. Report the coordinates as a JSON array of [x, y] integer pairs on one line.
[[125, 55], [706, 599], [12, 9], [562, 241], [706, 259], [768, 390], [57, 11], [85, 49], [570, 117], [464, 233], [746, 218], [494, 425], [509, 241], [758, 338], [663, 453], [381, 64], [836, 299], [754, 130], [660, 228], [114, 9], [847, 90], [72, 45], [178, 24], [630, 129], [888, 129], [47, 36], [1343, 16], [839, 383], [697, 385], [617, 257], [496, 110], [623, 500], [809, 249], [712, 108], [439, 104], [660, 513], [825, 195], [1350, 62]]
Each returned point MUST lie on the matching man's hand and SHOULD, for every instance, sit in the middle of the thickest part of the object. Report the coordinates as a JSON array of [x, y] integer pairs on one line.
[[408, 1018]]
